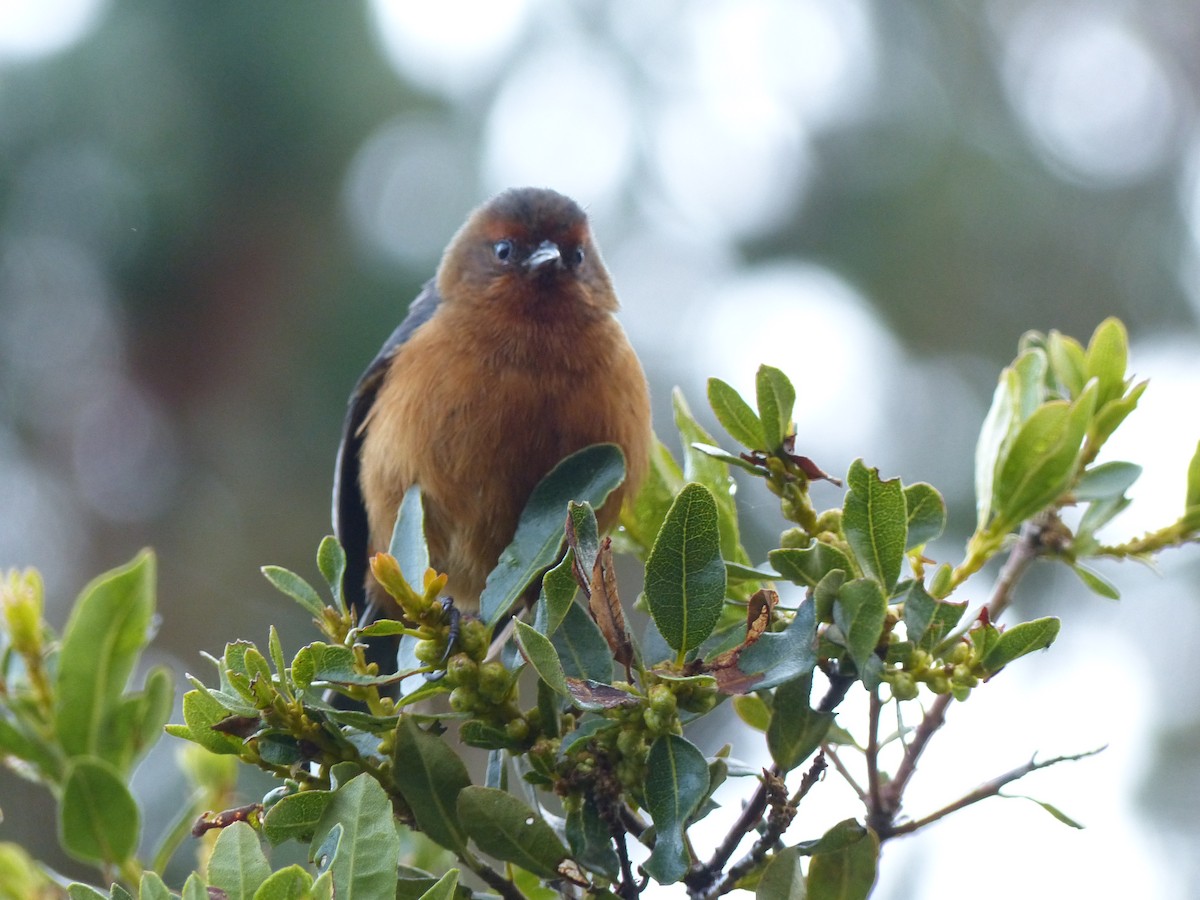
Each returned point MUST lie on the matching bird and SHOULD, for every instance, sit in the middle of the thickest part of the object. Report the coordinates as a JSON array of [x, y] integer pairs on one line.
[[508, 360]]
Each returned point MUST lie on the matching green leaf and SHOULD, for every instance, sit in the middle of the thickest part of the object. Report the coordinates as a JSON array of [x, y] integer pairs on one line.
[[408, 539], [1193, 481], [295, 816], [98, 819], [998, 426], [365, 864], [292, 585], [540, 653], [430, 776], [581, 648], [238, 866], [1104, 482], [782, 877], [926, 620], [591, 840], [676, 784], [643, 517], [685, 574], [446, 887], [1096, 582], [780, 656], [751, 709], [558, 593], [331, 561], [776, 397], [194, 888], [926, 512], [583, 537], [844, 863], [1109, 417], [1019, 640], [83, 892], [859, 612], [1067, 361], [1048, 807], [590, 474], [735, 415], [105, 635], [701, 467], [796, 729], [730, 459], [807, 566], [874, 520], [1106, 360], [507, 829], [292, 883], [202, 711]]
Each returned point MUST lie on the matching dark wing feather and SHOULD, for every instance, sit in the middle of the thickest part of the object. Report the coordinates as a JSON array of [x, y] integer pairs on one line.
[[349, 511]]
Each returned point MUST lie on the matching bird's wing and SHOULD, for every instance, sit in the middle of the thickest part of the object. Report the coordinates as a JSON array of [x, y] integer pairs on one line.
[[349, 511]]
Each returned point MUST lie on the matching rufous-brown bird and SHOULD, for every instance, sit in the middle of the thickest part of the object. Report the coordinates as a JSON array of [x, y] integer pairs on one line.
[[509, 360]]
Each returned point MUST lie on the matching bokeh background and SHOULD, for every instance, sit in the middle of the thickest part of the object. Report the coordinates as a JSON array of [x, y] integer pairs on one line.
[[211, 215]]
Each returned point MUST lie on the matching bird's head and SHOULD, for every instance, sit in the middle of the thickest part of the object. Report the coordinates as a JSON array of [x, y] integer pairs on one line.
[[531, 251]]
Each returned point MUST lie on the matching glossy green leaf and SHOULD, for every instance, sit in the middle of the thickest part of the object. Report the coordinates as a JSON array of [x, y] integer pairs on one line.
[[796, 729], [926, 514], [504, 827], [581, 648], [735, 415], [540, 653], [702, 468], [807, 566], [780, 656], [844, 863], [590, 839], [292, 883], [685, 574], [105, 635], [776, 397], [676, 784], [238, 866], [295, 816], [430, 776], [1106, 359], [1018, 640], [859, 612], [589, 474], [408, 544], [365, 864], [558, 593], [783, 877], [292, 585], [98, 819], [331, 561], [874, 520]]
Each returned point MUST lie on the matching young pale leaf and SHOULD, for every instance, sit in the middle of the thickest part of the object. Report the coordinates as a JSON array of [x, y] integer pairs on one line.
[[408, 539], [237, 865], [430, 776], [1096, 582], [676, 783], [782, 877], [751, 709], [98, 819], [1106, 360], [796, 729], [1193, 481], [540, 653], [926, 513], [105, 635], [776, 397], [1019, 640], [507, 829], [85, 892], [779, 656], [152, 887], [1067, 362], [446, 887], [1000, 422], [685, 574], [807, 566], [292, 585], [1106, 481], [1109, 417], [581, 648], [331, 561], [292, 883], [589, 474], [735, 415], [875, 521], [844, 864], [365, 864], [1048, 807], [859, 612]]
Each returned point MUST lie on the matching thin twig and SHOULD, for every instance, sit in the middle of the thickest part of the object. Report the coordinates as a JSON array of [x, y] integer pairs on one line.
[[828, 750], [627, 889], [498, 882], [985, 790], [875, 809], [699, 879]]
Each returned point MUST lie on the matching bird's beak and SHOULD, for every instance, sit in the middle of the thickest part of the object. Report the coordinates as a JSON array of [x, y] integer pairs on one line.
[[546, 252]]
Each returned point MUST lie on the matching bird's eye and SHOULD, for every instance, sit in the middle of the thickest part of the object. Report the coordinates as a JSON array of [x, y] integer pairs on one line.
[[577, 257], [503, 250]]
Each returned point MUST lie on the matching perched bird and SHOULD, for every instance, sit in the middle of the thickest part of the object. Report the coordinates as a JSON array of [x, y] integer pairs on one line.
[[508, 360]]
